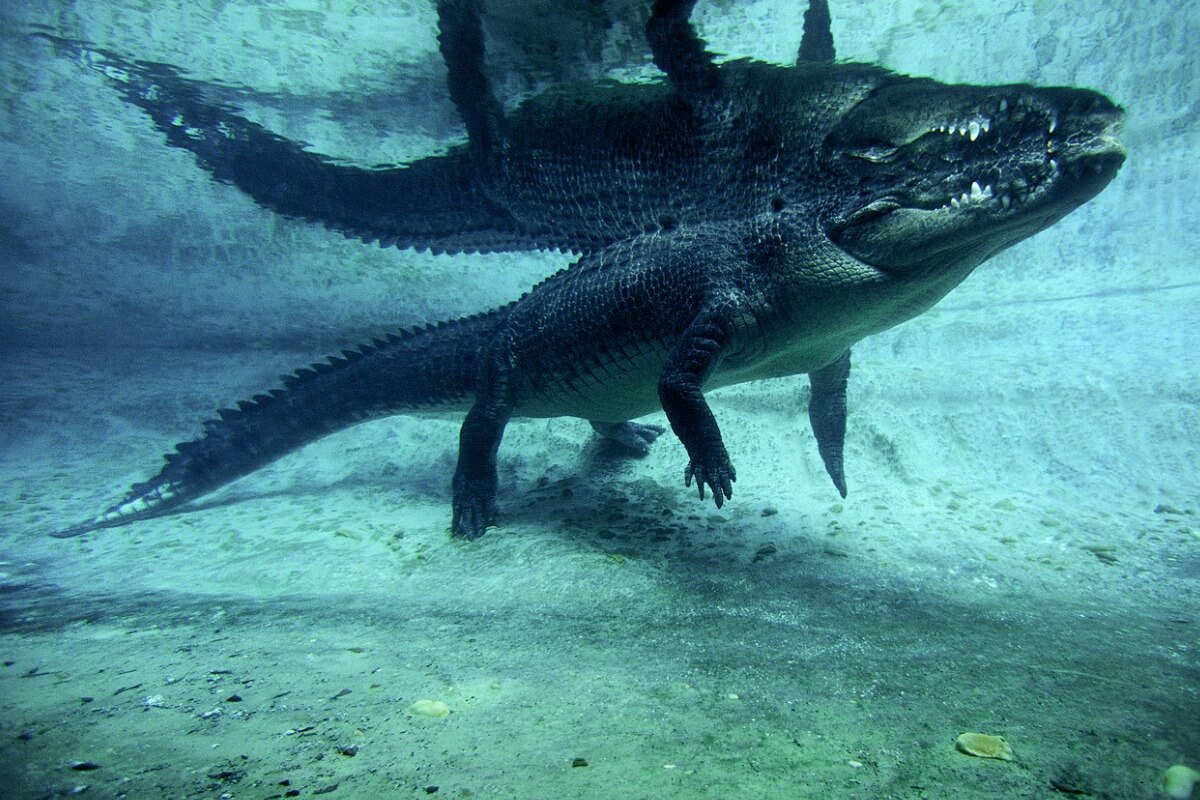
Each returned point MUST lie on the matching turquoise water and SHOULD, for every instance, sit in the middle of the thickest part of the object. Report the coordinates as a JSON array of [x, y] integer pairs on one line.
[[1019, 554]]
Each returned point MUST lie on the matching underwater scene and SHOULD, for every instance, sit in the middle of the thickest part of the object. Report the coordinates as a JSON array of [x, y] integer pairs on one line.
[[632, 399]]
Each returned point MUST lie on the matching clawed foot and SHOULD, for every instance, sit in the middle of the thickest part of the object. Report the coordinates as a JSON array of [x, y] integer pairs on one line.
[[716, 471], [474, 509], [634, 437]]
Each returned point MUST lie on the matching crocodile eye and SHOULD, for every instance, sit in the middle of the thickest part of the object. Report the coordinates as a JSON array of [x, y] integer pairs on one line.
[[777, 204], [876, 154]]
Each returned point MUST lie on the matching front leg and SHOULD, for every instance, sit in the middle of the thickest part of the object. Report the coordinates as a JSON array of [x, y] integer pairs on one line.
[[689, 364]]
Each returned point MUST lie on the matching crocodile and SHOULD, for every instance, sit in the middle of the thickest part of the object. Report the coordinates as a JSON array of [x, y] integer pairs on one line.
[[734, 221]]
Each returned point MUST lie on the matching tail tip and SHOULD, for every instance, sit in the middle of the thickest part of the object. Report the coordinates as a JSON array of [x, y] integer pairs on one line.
[[74, 530]]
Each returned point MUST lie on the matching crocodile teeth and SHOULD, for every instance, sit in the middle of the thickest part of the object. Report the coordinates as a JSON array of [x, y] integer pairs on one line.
[[1053, 123], [986, 124], [974, 128], [980, 192], [1005, 201], [1054, 165], [1003, 106]]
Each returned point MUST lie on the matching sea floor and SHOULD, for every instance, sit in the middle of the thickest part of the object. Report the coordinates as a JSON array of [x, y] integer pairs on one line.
[[614, 638]]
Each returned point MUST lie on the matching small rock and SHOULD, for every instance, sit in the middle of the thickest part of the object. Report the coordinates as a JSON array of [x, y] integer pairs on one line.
[[227, 775], [578, 762], [233, 698], [84, 766], [1103, 552], [431, 789], [768, 549], [770, 511], [1179, 782], [350, 751], [326, 789]]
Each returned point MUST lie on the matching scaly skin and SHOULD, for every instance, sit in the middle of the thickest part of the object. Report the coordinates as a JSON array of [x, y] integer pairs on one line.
[[738, 222]]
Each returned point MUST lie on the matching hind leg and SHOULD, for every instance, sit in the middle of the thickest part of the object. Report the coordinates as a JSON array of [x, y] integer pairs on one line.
[[476, 477], [634, 437]]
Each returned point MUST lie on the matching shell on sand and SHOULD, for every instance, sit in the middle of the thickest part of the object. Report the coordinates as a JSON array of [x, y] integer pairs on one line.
[[435, 709], [982, 745]]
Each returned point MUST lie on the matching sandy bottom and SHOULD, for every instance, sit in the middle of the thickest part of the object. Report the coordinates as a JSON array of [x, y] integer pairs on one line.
[[614, 638]]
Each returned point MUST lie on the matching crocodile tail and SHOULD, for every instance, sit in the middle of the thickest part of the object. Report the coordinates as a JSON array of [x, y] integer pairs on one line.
[[424, 369], [431, 204]]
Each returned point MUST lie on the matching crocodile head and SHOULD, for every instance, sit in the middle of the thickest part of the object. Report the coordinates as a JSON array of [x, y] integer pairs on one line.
[[936, 177]]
